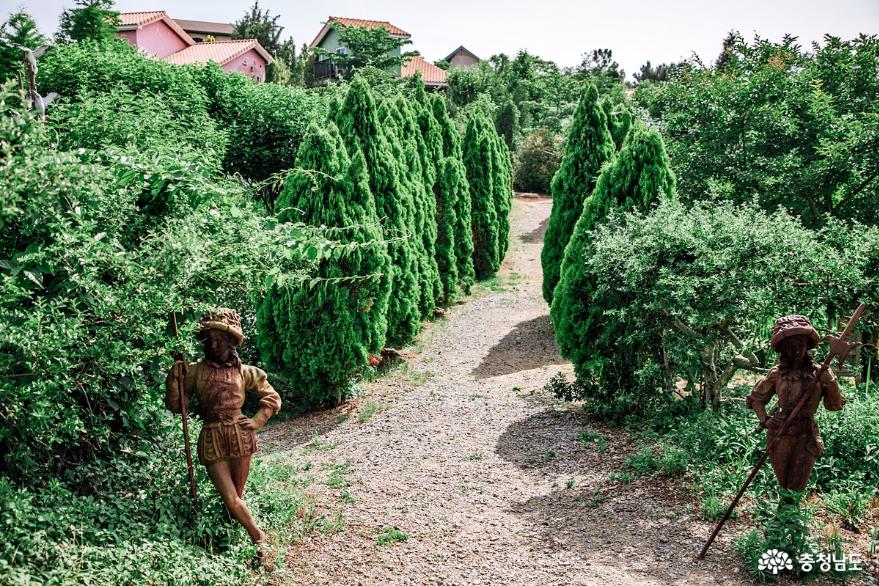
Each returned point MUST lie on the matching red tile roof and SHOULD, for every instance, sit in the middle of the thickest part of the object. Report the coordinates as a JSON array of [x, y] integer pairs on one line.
[[140, 18], [430, 73], [358, 22], [218, 51], [137, 20]]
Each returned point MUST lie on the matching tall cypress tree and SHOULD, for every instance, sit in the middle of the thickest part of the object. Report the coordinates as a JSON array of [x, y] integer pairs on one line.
[[433, 143], [463, 233], [619, 121], [502, 184], [321, 336], [446, 192], [478, 157], [359, 126], [425, 205], [639, 176], [589, 146]]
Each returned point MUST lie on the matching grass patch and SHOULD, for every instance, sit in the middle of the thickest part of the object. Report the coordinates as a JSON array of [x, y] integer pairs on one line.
[[337, 475], [476, 456], [390, 535], [590, 436], [370, 408], [318, 445]]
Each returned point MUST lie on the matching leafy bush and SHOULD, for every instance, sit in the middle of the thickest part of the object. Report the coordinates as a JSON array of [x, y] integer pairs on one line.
[[87, 287], [680, 282], [537, 160]]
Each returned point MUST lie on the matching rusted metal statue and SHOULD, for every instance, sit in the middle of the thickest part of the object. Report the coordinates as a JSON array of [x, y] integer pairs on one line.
[[793, 443], [228, 438], [795, 377]]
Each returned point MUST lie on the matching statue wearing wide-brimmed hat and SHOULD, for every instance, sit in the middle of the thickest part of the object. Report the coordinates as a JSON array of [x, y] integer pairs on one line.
[[800, 445], [228, 437]]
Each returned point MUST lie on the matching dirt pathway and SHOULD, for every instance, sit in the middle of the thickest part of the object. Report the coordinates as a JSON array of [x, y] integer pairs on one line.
[[484, 473]]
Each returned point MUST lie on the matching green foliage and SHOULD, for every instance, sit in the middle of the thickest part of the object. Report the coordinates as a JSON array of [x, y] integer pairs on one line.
[[599, 68], [639, 177], [391, 535], [142, 121], [420, 175], [431, 155], [502, 188], [260, 25], [479, 162], [124, 527], [346, 317], [589, 146], [87, 286], [506, 122], [537, 160], [456, 181], [360, 128], [367, 47], [91, 20], [19, 30], [619, 121], [799, 132], [683, 283], [263, 123], [449, 187]]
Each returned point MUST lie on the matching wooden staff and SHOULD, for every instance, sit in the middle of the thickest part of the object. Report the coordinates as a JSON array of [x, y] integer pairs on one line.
[[839, 348], [181, 384]]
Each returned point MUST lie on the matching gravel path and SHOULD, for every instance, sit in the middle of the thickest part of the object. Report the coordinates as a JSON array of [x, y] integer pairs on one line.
[[486, 475]]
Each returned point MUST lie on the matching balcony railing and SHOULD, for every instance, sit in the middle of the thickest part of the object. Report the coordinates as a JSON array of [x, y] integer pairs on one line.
[[327, 70]]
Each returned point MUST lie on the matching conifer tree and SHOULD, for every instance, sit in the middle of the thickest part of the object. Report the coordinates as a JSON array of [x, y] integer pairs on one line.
[[421, 185], [479, 162], [589, 146], [639, 176], [463, 232], [19, 30], [619, 121], [502, 185], [359, 126], [322, 335]]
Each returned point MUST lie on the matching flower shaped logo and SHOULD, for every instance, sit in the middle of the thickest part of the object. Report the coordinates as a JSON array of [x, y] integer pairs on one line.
[[774, 561]]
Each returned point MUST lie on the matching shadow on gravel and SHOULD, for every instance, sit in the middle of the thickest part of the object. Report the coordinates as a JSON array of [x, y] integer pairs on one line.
[[549, 443], [285, 435], [531, 344], [535, 235], [632, 528]]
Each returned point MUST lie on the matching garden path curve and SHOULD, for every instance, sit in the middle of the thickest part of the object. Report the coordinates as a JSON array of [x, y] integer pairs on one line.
[[484, 472]]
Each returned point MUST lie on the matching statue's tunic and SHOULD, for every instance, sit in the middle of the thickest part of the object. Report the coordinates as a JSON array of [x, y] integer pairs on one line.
[[801, 445], [220, 389]]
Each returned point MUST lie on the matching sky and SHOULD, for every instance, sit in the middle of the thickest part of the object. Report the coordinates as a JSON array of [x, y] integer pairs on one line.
[[636, 31]]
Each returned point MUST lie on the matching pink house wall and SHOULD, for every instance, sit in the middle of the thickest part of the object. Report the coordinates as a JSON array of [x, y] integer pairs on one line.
[[156, 38], [250, 63]]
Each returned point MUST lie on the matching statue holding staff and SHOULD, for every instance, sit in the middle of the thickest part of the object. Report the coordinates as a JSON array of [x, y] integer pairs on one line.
[[795, 375], [228, 437]]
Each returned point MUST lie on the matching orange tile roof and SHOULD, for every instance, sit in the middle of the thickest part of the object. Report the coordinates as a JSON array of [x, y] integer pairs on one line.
[[430, 73], [358, 22], [218, 51], [140, 18]]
